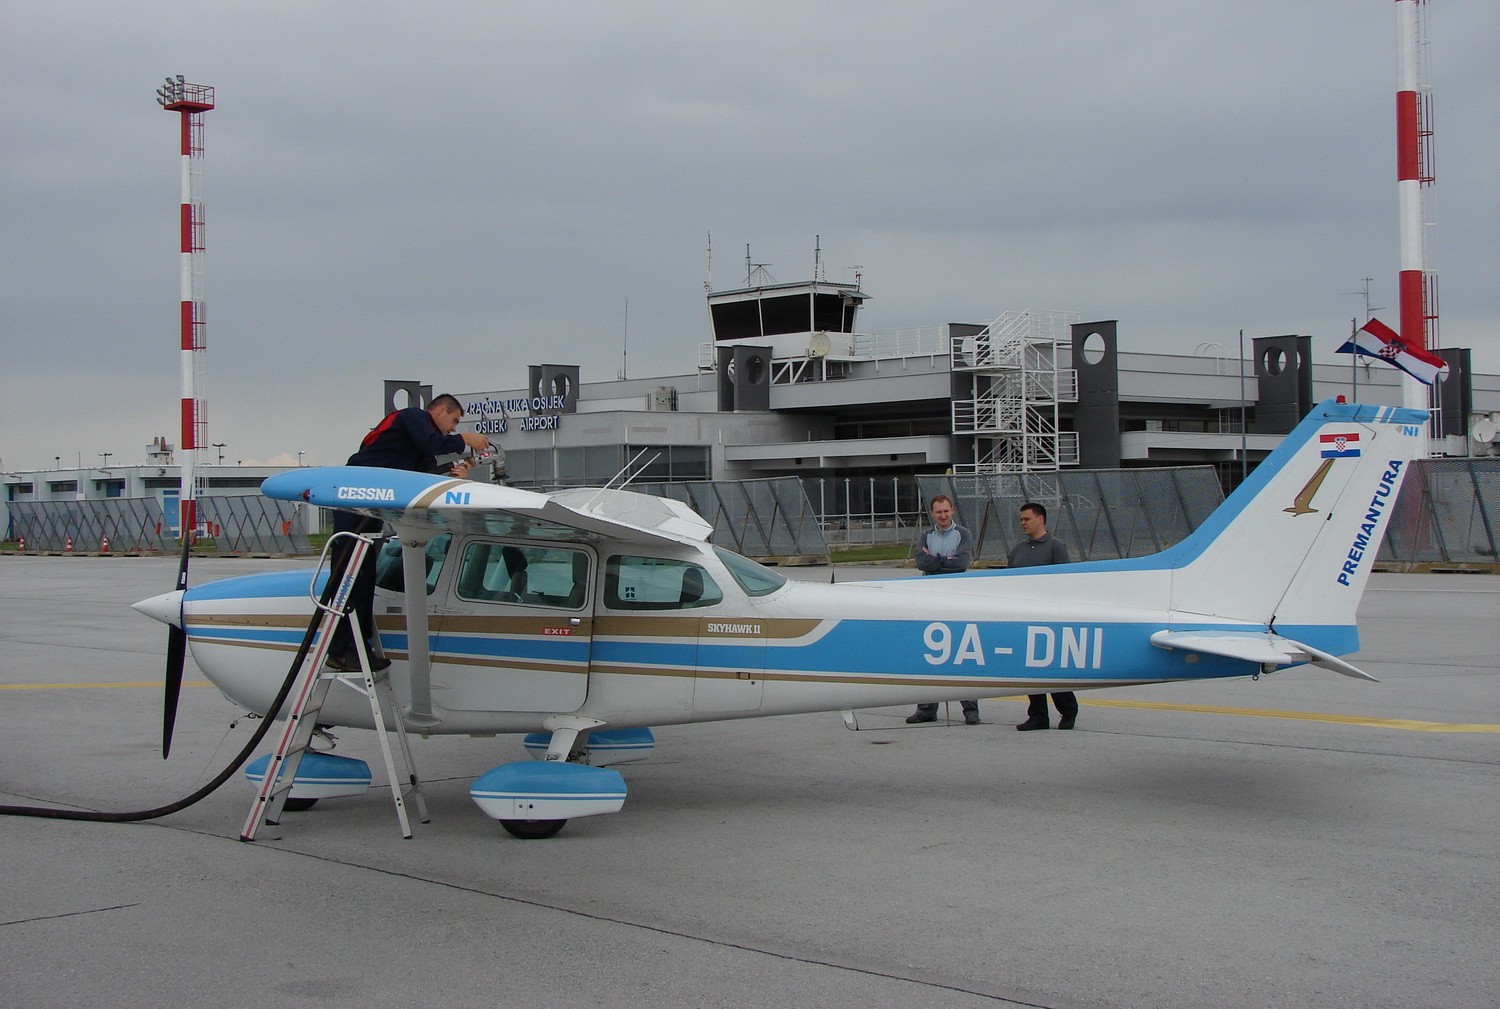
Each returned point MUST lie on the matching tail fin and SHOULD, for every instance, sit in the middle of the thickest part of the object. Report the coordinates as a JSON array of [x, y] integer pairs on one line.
[[1294, 544]]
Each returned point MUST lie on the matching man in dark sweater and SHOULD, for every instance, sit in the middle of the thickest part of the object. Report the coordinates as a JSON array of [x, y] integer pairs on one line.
[[411, 439], [1040, 547]]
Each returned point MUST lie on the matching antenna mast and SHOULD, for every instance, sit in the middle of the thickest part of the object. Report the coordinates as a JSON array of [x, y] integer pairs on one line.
[[1418, 289], [190, 101]]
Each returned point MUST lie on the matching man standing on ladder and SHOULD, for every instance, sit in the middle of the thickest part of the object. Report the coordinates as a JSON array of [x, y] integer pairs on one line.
[[411, 439]]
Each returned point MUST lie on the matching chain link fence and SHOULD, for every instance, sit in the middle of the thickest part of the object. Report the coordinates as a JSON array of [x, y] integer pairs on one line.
[[240, 523], [1099, 514], [1448, 513], [765, 519]]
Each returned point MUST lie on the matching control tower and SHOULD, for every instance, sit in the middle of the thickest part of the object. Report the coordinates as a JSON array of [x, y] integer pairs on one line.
[[804, 318]]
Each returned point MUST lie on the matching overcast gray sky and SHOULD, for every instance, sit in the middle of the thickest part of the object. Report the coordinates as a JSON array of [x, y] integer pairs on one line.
[[449, 191]]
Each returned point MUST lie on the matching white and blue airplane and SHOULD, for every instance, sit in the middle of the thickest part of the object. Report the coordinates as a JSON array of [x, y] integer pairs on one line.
[[586, 616]]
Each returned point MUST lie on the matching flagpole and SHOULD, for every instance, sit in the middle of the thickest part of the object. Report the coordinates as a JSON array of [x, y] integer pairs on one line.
[[1354, 358], [1244, 439]]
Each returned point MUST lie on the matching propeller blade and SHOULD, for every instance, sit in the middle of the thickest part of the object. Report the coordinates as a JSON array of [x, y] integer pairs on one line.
[[176, 654], [176, 649]]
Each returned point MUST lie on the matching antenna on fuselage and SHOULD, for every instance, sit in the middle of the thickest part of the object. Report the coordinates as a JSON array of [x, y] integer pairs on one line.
[[610, 485]]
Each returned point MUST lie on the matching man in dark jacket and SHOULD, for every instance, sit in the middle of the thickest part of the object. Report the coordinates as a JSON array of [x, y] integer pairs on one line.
[[944, 548], [411, 439], [1038, 546]]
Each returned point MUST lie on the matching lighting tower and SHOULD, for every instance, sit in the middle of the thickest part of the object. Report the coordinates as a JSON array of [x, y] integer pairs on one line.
[[1414, 172], [190, 101]]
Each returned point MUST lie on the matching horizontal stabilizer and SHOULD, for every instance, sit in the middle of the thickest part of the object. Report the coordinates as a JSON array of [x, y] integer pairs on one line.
[[1268, 649]]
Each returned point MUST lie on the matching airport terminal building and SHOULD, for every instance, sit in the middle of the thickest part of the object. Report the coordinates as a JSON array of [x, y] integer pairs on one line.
[[789, 386]]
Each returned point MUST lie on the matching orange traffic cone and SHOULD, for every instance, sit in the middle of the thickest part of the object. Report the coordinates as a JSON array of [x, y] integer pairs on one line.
[[104, 544], [68, 546], [21, 544]]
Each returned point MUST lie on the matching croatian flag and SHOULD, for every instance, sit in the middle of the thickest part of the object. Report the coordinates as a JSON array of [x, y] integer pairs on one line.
[[1340, 446], [1376, 339]]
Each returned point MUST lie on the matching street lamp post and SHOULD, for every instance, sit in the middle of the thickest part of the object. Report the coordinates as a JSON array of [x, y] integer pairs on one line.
[[220, 446], [105, 456], [300, 454]]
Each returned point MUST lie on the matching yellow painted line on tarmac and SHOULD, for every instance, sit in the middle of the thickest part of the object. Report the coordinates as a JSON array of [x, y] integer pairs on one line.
[[1407, 724], [1410, 725], [75, 686]]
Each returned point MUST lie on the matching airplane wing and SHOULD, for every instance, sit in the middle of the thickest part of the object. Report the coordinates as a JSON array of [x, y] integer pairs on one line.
[[1267, 649], [444, 503]]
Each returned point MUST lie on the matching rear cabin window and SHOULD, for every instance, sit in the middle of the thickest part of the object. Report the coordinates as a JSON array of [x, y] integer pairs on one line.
[[657, 583], [527, 575]]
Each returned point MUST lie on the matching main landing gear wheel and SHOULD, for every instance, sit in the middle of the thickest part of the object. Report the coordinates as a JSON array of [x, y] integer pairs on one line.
[[298, 805], [532, 830]]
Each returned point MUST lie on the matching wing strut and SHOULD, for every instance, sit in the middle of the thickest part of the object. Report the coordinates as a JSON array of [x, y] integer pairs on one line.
[[419, 659]]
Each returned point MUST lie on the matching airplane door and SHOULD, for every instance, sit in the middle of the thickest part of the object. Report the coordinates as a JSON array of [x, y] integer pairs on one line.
[[517, 630]]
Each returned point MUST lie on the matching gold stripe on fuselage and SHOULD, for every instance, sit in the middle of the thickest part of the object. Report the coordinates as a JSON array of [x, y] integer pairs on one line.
[[603, 625]]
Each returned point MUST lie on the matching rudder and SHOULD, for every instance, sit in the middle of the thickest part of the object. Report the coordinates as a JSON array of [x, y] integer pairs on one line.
[[1295, 543]]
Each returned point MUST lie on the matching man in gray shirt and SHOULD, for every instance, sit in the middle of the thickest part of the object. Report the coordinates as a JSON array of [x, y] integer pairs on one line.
[[945, 548], [1040, 547]]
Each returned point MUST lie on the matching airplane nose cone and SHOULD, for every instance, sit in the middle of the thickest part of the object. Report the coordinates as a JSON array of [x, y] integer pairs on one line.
[[166, 607]]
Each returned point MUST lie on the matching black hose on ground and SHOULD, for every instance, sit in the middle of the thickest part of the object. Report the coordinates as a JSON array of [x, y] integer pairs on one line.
[[255, 739]]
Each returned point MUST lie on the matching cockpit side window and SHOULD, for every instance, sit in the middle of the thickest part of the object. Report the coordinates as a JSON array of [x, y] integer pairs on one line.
[[494, 572], [388, 572], [657, 583]]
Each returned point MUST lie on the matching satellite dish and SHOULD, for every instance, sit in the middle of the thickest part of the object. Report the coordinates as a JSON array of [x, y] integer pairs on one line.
[[819, 345], [1483, 429]]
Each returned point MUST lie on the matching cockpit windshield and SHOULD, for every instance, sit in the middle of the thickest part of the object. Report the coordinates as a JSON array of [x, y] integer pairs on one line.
[[755, 579]]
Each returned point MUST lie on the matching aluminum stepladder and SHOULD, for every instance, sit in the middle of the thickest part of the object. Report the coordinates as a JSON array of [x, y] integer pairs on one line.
[[311, 689]]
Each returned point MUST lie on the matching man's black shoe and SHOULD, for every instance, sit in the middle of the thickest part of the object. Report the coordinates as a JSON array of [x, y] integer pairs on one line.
[[1032, 723], [919, 717], [350, 663], [971, 718], [1066, 721]]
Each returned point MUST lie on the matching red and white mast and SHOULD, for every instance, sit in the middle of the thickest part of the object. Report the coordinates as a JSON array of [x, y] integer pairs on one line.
[[190, 101], [1414, 172]]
